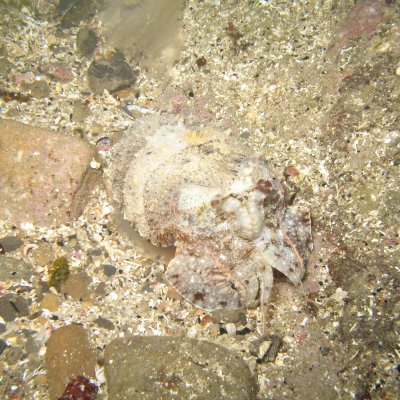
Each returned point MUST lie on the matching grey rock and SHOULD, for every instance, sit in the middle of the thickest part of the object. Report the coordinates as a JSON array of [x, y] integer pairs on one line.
[[37, 89], [76, 11], [86, 41], [266, 348], [109, 270], [3, 346], [111, 75], [13, 306], [10, 243], [158, 367], [223, 316], [105, 323], [15, 270]]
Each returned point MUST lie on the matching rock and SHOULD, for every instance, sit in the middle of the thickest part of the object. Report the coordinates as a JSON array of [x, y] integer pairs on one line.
[[45, 179], [5, 66], [175, 368], [266, 348], [37, 89], [14, 270], [105, 323], [77, 286], [109, 270], [68, 355], [58, 71], [43, 254], [111, 75], [13, 306], [223, 316], [51, 302], [75, 11], [10, 243], [80, 112], [86, 41], [3, 346]]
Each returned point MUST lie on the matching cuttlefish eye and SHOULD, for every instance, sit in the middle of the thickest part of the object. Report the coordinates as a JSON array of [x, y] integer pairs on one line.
[[264, 186]]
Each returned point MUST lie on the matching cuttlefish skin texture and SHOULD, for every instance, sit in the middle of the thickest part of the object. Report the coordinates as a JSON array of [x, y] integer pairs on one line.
[[223, 208]]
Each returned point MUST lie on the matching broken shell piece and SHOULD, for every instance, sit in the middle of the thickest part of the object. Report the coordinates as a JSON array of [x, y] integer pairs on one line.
[[223, 208]]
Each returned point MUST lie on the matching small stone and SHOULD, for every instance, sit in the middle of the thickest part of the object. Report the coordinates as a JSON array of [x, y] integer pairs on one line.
[[110, 75], [77, 286], [105, 323], [14, 354], [223, 316], [14, 270], [230, 328], [10, 243], [13, 306], [80, 112], [55, 182], [37, 89], [68, 355], [109, 270], [58, 71], [158, 367], [50, 302], [43, 254], [266, 348], [86, 41], [3, 346], [2, 327], [76, 11]]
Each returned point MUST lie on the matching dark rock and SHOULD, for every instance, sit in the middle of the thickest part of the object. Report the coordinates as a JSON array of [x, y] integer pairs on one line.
[[10, 243], [15, 270], [266, 348], [76, 11], [105, 323], [109, 270], [86, 41], [68, 355], [2, 327], [3, 346], [175, 368], [13, 306], [111, 75], [80, 388]]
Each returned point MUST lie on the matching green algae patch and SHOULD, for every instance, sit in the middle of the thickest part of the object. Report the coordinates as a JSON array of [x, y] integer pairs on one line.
[[59, 272]]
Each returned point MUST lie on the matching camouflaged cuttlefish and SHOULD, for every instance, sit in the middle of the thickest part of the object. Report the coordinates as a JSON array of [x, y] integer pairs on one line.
[[206, 193]]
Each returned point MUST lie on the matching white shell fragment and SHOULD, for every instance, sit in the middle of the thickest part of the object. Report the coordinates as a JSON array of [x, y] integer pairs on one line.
[[222, 207]]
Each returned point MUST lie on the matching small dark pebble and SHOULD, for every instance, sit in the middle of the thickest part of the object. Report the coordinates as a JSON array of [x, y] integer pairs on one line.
[[86, 41], [222, 331], [105, 323], [109, 270], [2, 327], [243, 331], [201, 62], [13, 306], [325, 351], [10, 243], [3, 346], [272, 351], [94, 252]]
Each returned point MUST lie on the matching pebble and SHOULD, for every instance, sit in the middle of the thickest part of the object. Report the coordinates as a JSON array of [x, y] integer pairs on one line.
[[14, 270], [266, 348], [86, 41], [13, 306], [60, 167], [159, 367], [109, 270], [224, 316], [43, 254], [76, 11], [68, 355], [77, 286], [10, 243], [110, 75], [105, 323], [3, 346], [50, 302]]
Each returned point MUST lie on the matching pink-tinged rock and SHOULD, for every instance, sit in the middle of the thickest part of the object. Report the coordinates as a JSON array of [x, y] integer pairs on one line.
[[363, 18], [69, 355], [58, 71], [45, 176]]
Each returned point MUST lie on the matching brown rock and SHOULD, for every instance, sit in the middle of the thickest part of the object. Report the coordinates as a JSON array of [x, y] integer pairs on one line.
[[77, 286], [68, 355], [45, 176], [51, 302]]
